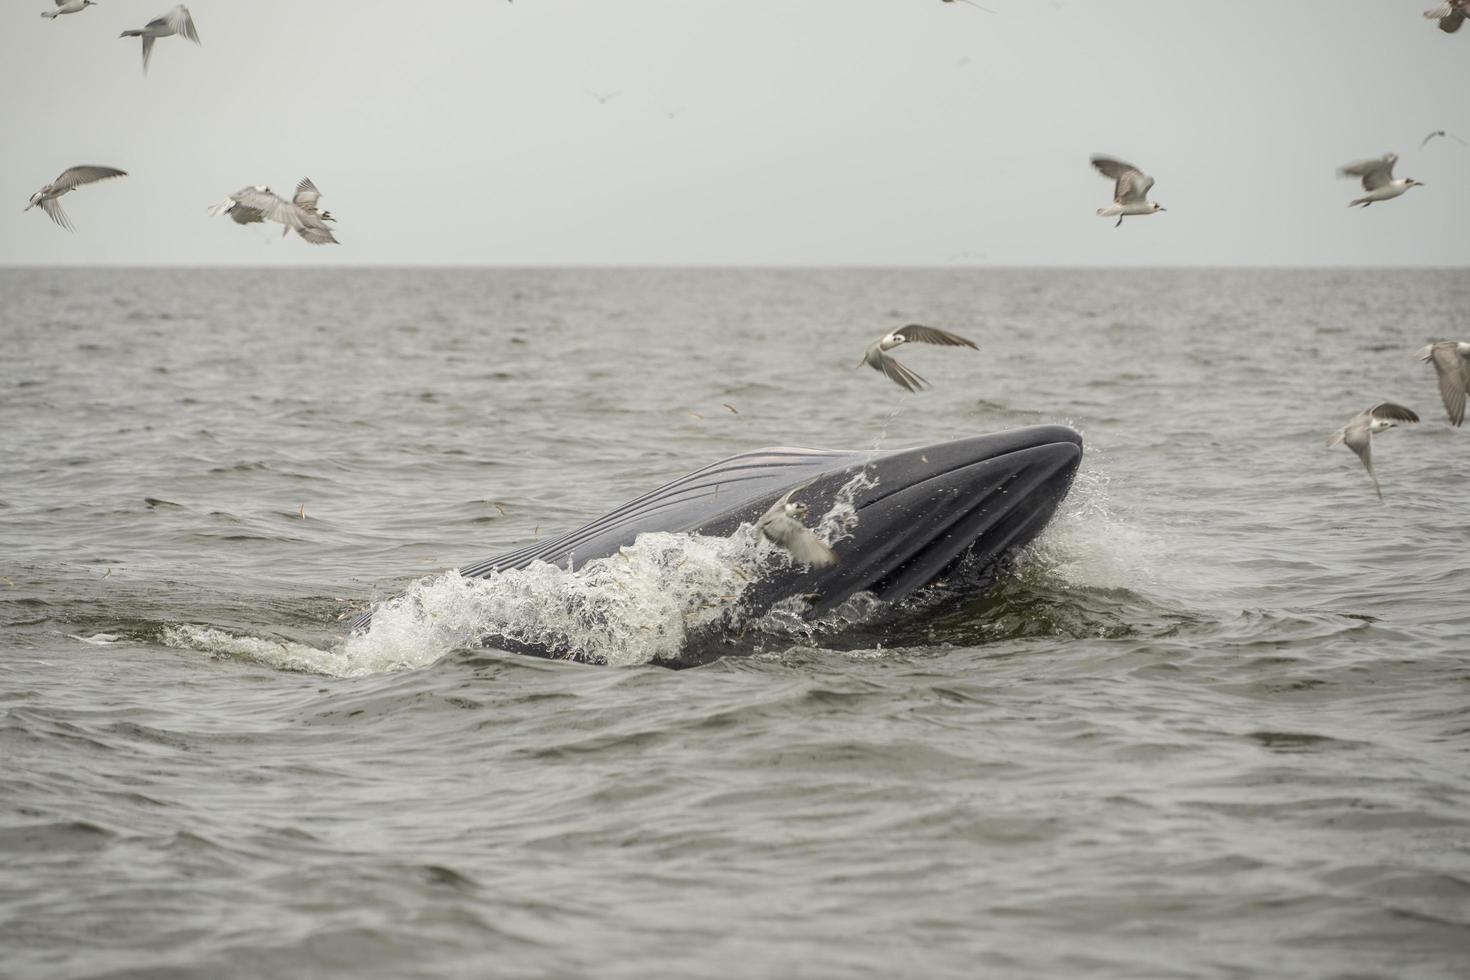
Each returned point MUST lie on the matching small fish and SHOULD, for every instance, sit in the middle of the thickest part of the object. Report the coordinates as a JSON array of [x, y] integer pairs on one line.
[[733, 410]]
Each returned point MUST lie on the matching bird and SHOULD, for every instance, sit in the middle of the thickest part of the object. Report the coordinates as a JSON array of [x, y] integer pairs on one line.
[[67, 7], [877, 358], [1358, 433], [1450, 14], [1441, 132], [603, 99], [973, 4], [1378, 179], [258, 203], [1451, 360], [782, 525], [70, 180], [1130, 193], [176, 21]]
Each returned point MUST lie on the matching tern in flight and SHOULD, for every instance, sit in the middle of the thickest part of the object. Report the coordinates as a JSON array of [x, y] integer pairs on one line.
[[67, 7], [1451, 360], [876, 356], [70, 180], [1130, 193], [176, 21], [1378, 179], [782, 524], [250, 205], [1450, 14], [1358, 433], [1441, 132]]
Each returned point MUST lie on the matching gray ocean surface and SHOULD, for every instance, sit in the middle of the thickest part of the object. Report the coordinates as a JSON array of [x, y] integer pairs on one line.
[[1214, 725]]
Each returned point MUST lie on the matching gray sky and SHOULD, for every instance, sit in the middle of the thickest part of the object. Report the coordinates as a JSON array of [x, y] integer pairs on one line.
[[807, 132]]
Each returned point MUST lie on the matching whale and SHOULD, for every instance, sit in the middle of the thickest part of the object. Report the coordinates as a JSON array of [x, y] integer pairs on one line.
[[943, 519]]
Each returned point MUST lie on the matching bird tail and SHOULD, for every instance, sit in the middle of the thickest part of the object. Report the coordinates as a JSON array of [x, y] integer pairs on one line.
[[1425, 353], [1362, 200], [138, 33], [49, 14], [1108, 212], [222, 206]]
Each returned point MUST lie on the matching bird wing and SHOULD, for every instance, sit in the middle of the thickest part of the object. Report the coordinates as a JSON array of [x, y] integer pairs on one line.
[[1443, 10], [897, 373], [182, 22], [1452, 23], [270, 206], [1360, 441], [1454, 381], [318, 236], [147, 51], [1112, 167], [1425, 141], [918, 333], [306, 194], [1375, 173], [241, 215], [74, 177], [1391, 412], [52, 207], [795, 536]]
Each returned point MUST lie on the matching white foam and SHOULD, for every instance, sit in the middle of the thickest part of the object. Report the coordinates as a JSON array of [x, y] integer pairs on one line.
[[1087, 545], [637, 606]]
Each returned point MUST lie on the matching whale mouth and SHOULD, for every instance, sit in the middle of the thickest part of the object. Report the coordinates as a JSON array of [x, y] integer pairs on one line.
[[945, 515]]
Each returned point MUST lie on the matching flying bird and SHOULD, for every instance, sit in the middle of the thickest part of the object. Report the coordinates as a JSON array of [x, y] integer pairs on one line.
[[603, 99], [67, 7], [70, 180], [1451, 360], [1358, 433], [1450, 14], [1378, 179], [250, 205], [973, 4], [876, 356], [176, 21], [1441, 132], [1130, 193], [782, 525]]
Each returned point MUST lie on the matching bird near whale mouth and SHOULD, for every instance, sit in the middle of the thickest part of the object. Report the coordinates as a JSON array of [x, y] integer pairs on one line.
[[941, 519]]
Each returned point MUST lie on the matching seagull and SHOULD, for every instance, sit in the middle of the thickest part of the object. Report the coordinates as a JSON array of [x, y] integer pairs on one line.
[[67, 7], [1358, 433], [1440, 132], [1130, 194], [877, 358], [1451, 360], [254, 204], [782, 525], [70, 180], [1378, 179], [176, 21], [1450, 14], [973, 4]]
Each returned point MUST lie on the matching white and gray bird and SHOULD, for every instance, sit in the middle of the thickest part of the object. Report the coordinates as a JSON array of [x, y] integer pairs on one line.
[[1443, 133], [1378, 179], [176, 21], [876, 356], [1130, 193], [67, 7], [70, 180], [1358, 433], [782, 524], [1451, 360], [250, 205], [1450, 14]]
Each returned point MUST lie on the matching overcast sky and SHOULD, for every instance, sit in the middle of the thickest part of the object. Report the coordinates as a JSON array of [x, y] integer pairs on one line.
[[747, 132]]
